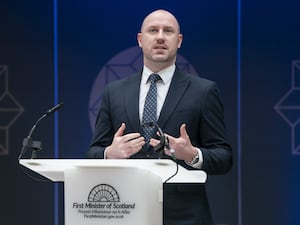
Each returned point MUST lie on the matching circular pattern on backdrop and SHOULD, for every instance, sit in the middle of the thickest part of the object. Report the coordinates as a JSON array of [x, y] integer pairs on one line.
[[124, 64]]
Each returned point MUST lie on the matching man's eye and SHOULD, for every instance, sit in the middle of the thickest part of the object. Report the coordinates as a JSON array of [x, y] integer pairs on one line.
[[169, 31], [152, 30]]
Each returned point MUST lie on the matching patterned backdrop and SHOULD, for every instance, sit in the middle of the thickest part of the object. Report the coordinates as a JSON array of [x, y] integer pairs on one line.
[[66, 51]]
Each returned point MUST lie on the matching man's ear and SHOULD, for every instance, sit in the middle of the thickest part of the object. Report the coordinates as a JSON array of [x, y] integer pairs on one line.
[[180, 38], [139, 39]]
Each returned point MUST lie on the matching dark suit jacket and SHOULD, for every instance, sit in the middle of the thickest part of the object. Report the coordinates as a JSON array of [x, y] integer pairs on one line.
[[191, 100]]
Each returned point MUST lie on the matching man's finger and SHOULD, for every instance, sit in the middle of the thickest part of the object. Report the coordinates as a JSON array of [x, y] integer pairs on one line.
[[153, 142], [121, 130], [183, 132]]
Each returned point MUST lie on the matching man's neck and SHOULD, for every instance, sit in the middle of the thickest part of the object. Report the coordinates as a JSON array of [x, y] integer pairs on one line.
[[157, 66]]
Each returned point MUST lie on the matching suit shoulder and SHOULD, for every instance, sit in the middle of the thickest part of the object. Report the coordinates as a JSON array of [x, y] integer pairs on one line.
[[195, 79], [200, 81]]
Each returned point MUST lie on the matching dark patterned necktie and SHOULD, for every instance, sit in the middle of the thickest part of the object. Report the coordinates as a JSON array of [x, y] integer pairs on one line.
[[150, 108]]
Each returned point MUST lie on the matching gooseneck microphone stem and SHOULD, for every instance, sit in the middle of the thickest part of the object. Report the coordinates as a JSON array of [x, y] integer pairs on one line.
[[160, 147], [35, 125], [36, 145]]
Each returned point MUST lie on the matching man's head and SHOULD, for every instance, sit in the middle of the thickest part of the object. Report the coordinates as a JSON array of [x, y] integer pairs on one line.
[[159, 39]]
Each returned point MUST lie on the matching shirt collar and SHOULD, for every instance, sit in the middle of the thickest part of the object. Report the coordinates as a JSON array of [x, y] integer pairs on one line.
[[165, 74]]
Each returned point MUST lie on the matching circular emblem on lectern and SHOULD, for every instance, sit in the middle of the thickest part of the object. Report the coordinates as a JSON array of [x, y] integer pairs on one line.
[[103, 193]]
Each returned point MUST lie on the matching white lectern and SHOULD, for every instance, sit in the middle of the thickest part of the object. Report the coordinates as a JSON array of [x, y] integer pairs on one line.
[[113, 192]]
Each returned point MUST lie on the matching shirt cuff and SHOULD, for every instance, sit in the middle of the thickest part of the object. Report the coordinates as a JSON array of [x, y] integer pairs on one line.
[[198, 165], [104, 153]]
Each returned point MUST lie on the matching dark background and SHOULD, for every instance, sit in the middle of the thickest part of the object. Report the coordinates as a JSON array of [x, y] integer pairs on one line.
[[250, 48]]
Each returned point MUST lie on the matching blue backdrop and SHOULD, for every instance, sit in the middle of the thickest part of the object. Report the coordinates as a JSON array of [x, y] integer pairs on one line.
[[56, 51]]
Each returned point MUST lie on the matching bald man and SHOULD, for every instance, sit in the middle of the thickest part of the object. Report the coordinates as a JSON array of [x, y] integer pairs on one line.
[[188, 109]]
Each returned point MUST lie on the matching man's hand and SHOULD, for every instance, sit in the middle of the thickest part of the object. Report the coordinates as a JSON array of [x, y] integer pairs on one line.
[[124, 146], [182, 147]]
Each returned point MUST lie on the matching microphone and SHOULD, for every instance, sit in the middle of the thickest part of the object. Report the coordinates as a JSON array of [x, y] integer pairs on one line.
[[160, 146], [36, 145], [164, 141], [54, 109]]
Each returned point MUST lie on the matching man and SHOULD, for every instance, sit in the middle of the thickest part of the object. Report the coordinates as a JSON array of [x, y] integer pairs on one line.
[[188, 109]]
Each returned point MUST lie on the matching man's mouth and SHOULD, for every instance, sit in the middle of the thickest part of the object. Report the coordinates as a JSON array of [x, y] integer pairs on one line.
[[160, 47]]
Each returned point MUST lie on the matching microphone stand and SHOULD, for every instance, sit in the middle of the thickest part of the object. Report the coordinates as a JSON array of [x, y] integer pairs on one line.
[[163, 143], [160, 148], [36, 145], [29, 143]]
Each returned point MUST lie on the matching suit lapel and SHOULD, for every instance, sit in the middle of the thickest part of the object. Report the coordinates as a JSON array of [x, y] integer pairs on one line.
[[132, 92], [178, 87]]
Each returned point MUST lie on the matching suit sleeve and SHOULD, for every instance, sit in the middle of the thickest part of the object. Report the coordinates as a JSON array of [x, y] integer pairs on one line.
[[217, 153], [104, 132]]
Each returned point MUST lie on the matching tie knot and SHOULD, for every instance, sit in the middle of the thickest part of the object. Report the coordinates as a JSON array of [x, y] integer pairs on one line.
[[153, 78]]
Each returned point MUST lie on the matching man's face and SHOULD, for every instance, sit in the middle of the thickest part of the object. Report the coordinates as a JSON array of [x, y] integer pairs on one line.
[[159, 38]]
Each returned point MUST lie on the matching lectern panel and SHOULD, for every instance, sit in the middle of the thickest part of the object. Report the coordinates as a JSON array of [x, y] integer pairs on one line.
[[112, 196]]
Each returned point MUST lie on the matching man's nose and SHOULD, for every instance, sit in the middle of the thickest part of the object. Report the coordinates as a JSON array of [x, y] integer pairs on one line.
[[160, 35]]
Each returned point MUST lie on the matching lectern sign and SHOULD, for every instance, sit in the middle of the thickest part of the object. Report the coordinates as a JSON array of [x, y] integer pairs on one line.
[[103, 202], [112, 196]]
